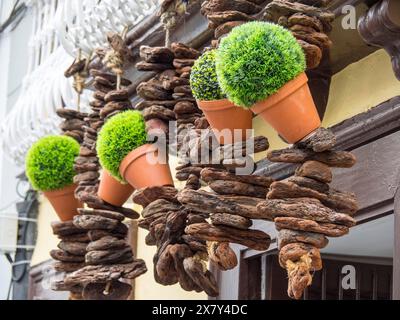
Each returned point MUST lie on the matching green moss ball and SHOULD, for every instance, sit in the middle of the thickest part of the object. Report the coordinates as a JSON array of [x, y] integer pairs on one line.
[[50, 163], [120, 135], [203, 78], [257, 59]]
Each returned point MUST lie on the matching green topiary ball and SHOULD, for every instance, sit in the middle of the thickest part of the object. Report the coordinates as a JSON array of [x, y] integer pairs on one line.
[[203, 78], [120, 135], [257, 59], [50, 163]]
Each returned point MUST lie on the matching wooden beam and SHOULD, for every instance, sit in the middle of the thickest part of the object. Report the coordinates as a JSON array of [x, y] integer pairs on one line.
[[351, 134], [380, 27]]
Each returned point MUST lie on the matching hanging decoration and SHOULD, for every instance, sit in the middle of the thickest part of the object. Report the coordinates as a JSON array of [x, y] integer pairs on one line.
[[74, 120], [183, 249], [305, 209], [179, 258], [70, 255], [231, 206], [299, 240], [172, 89], [106, 257]]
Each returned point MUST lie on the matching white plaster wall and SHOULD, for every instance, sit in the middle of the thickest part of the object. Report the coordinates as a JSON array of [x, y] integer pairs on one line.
[[13, 66]]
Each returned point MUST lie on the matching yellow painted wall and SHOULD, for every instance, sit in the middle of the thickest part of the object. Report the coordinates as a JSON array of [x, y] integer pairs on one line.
[[46, 241], [354, 90], [360, 87]]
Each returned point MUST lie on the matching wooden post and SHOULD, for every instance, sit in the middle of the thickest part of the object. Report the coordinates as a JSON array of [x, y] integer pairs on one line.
[[381, 25]]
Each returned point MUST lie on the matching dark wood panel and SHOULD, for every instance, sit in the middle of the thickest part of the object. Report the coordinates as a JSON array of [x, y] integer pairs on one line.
[[373, 280], [375, 177], [368, 126], [250, 279]]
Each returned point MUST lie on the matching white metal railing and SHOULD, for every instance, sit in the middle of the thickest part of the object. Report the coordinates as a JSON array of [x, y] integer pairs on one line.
[[33, 116], [84, 24], [16, 217], [60, 28], [43, 88]]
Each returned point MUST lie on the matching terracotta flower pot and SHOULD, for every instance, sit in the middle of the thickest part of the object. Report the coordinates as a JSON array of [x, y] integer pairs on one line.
[[112, 191], [141, 173], [223, 114], [291, 111], [64, 202]]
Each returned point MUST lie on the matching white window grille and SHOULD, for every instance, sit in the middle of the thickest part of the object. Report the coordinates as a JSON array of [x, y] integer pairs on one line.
[[60, 28]]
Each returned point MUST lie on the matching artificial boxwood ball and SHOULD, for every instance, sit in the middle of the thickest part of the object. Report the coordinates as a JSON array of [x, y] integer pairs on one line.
[[203, 78], [257, 59], [50, 163], [120, 135]]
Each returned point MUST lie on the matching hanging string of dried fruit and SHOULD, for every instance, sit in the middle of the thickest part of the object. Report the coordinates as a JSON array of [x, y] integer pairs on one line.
[[167, 96], [179, 258], [108, 257], [309, 20], [231, 207], [70, 255], [224, 15], [74, 120], [318, 211], [226, 226], [305, 209]]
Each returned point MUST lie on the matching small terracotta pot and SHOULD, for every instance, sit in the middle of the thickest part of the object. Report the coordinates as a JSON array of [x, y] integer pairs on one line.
[[223, 114], [140, 173], [112, 191], [64, 202], [291, 111]]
